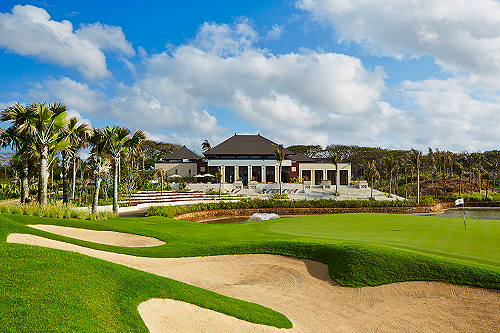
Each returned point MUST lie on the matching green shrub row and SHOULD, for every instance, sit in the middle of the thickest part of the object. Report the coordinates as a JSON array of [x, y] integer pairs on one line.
[[172, 211]]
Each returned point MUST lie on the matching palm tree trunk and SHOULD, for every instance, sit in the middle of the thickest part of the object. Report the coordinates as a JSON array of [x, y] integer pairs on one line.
[[116, 162], [279, 178], [96, 194], [24, 180], [460, 186], [390, 184], [418, 185], [43, 177], [65, 171], [74, 178], [336, 180]]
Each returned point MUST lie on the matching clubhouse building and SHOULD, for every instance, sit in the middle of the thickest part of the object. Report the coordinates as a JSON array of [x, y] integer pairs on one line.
[[250, 159]]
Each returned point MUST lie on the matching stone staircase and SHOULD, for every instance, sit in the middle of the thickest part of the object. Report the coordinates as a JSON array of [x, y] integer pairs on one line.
[[166, 197]]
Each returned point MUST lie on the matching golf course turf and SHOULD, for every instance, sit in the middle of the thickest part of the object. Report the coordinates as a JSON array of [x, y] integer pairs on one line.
[[50, 290]]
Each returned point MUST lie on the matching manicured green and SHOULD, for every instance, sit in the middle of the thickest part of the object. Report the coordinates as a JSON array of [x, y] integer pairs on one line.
[[360, 250]]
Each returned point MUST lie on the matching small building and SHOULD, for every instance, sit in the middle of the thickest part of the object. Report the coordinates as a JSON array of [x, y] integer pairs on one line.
[[182, 162]]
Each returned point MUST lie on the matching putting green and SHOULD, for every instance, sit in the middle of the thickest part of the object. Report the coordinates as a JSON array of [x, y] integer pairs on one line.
[[429, 234]]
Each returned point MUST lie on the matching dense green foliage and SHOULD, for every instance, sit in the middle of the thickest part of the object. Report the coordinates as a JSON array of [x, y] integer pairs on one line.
[[172, 211]]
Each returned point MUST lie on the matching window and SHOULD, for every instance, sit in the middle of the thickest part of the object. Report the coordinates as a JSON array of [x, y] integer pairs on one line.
[[306, 174], [331, 175], [257, 173], [229, 171], [318, 177], [270, 174]]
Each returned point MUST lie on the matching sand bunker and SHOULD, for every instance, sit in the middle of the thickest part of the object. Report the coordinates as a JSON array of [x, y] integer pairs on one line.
[[101, 237], [303, 291]]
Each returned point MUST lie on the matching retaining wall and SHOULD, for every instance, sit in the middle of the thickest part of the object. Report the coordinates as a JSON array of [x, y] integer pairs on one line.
[[229, 213]]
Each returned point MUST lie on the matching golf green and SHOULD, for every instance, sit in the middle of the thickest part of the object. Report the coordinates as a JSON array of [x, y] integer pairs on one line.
[[428, 234]]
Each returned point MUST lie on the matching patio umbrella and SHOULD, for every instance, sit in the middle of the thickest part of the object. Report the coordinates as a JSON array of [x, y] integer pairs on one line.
[[199, 176], [208, 175], [174, 176]]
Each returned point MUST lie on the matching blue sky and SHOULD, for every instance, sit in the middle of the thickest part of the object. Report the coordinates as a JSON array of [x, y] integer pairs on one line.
[[390, 73]]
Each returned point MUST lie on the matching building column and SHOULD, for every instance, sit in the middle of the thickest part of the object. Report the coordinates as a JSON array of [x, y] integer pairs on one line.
[[263, 173], [222, 174]]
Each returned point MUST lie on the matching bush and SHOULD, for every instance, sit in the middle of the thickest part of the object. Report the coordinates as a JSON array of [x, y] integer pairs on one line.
[[172, 211]]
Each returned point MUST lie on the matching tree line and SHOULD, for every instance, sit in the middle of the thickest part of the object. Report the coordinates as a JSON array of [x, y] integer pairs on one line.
[[401, 171], [41, 133]]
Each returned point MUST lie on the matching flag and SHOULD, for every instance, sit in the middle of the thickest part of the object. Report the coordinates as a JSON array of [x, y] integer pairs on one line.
[[459, 202]]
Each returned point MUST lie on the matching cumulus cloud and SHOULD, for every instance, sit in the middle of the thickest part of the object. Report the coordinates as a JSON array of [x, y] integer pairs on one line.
[[222, 67], [275, 33], [29, 31], [107, 37], [462, 36]]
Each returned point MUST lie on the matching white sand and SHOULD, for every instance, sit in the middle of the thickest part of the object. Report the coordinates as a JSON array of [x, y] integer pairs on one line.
[[303, 291], [101, 237]]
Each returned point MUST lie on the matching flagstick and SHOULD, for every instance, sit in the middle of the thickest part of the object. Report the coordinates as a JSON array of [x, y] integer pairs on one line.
[[463, 206]]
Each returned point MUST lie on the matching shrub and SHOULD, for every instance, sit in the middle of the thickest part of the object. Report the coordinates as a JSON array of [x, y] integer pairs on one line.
[[172, 211]]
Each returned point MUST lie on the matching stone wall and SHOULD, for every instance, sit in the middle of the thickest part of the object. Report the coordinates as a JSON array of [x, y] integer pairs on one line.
[[230, 213]]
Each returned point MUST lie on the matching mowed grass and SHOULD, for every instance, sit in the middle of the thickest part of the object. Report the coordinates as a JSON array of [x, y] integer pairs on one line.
[[49, 290], [427, 234]]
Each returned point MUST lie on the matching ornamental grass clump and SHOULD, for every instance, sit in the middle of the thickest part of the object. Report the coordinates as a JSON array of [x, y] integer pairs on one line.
[[56, 210]]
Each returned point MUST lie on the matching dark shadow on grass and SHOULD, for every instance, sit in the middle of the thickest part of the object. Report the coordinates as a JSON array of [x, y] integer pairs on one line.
[[318, 270]]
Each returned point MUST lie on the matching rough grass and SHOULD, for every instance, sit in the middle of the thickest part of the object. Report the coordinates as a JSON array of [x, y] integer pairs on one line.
[[360, 250]]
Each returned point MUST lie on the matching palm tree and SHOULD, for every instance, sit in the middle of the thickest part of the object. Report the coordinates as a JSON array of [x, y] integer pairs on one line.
[[114, 141], [335, 159], [76, 136], [371, 174], [389, 165], [415, 157], [99, 166], [17, 113], [279, 155], [431, 158], [205, 146], [9, 137]]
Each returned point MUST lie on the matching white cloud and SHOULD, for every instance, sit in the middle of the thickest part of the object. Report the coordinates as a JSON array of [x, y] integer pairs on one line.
[[275, 33], [29, 31], [107, 37], [263, 88], [81, 120], [462, 35]]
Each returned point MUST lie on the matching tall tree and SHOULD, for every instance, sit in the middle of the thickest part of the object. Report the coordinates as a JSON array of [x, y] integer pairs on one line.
[[10, 137], [371, 174], [115, 140], [76, 135], [415, 157], [279, 155], [389, 165], [335, 158], [41, 125], [98, 163]]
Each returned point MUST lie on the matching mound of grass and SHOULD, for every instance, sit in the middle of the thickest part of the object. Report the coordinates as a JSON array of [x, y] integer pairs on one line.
[[47, 290]]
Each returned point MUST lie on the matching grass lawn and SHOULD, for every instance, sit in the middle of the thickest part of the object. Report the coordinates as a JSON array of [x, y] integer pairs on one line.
[[49, 290]]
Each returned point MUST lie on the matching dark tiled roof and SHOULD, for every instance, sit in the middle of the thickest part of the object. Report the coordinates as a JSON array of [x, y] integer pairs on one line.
[[181, 154], [299, 157], [245, 145]]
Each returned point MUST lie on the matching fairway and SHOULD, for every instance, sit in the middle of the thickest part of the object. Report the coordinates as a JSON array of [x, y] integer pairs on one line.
[[428, 234], [359, 249]]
